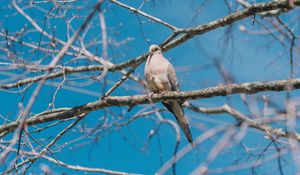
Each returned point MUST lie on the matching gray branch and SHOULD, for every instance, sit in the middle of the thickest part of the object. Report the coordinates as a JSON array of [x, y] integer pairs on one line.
[[222, 90]]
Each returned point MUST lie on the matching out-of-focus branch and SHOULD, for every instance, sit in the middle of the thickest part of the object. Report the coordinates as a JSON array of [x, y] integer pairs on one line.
[[275, 12], [205, 136], [260, 125], [104, 35], [86, 169], [75, 167]]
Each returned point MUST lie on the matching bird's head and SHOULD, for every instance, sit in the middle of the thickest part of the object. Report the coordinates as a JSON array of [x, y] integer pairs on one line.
[[154, 48]]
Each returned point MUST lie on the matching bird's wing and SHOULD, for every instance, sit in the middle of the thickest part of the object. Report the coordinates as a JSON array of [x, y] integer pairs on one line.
[[148, 75], [172, 78], [176, 106]]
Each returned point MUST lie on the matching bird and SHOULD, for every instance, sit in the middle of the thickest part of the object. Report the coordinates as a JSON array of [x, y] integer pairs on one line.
[[161, 77]]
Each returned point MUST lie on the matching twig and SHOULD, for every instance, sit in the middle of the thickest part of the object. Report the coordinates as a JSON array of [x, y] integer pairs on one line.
[[134, 10]]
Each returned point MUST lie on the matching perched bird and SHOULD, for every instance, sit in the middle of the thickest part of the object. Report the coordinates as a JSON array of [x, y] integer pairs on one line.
[[160, 77]]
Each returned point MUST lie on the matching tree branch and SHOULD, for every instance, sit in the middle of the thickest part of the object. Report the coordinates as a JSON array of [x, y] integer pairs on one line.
[[249, 11], [223, 90]]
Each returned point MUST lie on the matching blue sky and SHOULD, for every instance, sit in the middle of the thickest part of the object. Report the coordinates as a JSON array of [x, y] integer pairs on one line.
[[244, 56]]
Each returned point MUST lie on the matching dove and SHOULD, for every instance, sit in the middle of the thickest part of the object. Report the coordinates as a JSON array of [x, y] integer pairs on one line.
[[161, 77]]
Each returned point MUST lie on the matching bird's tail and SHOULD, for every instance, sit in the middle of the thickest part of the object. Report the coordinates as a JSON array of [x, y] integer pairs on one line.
[[176, 109]]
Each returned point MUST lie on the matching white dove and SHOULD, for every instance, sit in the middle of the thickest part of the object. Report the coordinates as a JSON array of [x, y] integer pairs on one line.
[[161, 77]]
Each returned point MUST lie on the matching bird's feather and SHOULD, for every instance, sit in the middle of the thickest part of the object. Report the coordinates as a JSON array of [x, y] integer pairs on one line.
[[179, 115]]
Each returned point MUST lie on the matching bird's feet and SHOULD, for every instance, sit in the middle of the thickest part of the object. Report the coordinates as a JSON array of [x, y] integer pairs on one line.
[[150, 95], [163, 92]]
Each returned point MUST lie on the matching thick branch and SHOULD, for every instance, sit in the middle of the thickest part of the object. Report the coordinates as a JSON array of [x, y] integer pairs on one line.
[[247, 88]]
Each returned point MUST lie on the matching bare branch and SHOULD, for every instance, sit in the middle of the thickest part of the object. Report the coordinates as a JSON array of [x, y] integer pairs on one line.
[[247, 88]]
